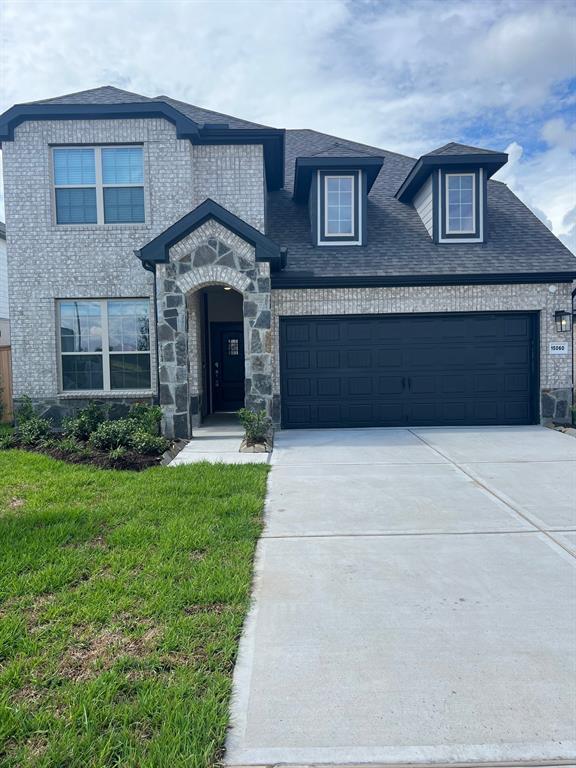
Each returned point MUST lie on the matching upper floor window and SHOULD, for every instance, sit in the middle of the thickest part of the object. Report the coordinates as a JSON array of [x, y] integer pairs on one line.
[[338, 208], [98, 185], [338, 199], [460, 203], [104, 344]]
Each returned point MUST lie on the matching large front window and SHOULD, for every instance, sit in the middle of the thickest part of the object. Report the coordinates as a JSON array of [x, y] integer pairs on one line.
[[98, 185], [105, 344], [460, 203]]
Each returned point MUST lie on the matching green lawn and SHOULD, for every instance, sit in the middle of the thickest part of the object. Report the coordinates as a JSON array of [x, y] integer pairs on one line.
[[122, 597]]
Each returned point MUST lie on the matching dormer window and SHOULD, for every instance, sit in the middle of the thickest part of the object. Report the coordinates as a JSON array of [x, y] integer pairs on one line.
[[460, 204], [336, 189], [339, 203], [338, 207], [449, 190]]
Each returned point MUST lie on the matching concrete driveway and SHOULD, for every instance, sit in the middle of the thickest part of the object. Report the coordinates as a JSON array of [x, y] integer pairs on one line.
[[414, 601]]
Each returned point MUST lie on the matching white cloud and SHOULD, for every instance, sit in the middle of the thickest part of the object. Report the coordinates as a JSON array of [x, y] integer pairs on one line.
[[407, 76]]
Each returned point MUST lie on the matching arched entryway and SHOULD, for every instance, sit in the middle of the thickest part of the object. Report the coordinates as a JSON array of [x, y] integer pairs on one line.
[[214, 330]]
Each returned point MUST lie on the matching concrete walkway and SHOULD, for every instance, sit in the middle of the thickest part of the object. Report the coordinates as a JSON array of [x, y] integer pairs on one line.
[[218, 440], [414, 601]]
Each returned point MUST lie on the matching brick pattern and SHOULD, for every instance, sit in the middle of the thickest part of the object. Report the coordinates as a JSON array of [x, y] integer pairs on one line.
[[49, 261], [555, 370], [211, 255], [232, 175]]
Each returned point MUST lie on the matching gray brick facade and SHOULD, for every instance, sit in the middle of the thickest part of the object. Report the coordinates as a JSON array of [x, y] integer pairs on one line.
[[47, 262]]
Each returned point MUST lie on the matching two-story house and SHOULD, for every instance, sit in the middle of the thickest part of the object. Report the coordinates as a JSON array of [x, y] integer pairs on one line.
[[159, 251]]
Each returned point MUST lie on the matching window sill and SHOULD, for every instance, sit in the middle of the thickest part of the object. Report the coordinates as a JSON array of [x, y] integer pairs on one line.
[[98, 394], [134, 227]]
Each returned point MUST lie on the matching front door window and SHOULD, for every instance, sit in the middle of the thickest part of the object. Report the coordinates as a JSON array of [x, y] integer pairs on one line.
[[227, 348]]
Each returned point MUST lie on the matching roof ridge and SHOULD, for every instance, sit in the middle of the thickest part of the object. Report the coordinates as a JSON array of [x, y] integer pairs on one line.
[[340, 139], [173, 101], [91, 90]]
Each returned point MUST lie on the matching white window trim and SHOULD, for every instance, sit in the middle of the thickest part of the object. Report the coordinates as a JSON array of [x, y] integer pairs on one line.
[[447, 205], [320, 232], [105, 351], [353, 221], [99, 186], [441, 213]]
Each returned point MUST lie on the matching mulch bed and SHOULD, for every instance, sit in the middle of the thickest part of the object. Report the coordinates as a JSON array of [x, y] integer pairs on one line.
[[134, 462]]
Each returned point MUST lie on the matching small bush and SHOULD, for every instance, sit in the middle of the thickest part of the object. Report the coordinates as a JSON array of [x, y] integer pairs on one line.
[[25, 411], [7, 441], [86, 421], [113, 434], [34, 431], [257, 425], [147, 444], [148, 417], [117, 453], [70, 446]]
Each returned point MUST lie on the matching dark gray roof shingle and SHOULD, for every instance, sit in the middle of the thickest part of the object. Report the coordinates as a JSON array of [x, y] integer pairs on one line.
[[106, 94], [109, 94], [398, 243], [460, 149]]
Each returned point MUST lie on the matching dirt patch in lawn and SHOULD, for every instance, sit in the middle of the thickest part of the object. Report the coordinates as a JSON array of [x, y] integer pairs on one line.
[[97, 653]]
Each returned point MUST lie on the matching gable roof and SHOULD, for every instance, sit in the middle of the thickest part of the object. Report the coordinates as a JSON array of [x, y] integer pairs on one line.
[[157, 250], [105, 94], [453, 148], [399, 250], [109, 94]]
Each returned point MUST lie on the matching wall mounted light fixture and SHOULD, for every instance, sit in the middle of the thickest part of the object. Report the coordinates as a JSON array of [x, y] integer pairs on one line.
[[563, 321]]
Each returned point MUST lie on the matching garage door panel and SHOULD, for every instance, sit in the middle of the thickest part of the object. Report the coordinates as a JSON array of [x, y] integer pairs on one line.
[[328, 358], [329, 387], [390, 385], [298, 360], [394, 370]]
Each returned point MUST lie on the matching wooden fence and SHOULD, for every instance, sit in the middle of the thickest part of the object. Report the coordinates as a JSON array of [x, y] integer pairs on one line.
[[6, 383]]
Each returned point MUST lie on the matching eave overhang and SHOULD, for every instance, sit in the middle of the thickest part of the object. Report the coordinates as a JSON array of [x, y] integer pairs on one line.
[[306, 167], [272, 139], [157, 251], [423, 167], [308, 280]]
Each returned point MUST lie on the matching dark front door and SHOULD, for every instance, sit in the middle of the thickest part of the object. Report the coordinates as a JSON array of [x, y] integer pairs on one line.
[[227, 352], [401, 370]]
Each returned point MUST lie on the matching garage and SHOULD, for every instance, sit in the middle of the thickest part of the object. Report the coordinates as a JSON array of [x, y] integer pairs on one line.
[[419, 369]]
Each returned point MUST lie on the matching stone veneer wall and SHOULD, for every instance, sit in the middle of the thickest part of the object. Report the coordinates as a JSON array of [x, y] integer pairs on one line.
[[555, 370], [192, 267]]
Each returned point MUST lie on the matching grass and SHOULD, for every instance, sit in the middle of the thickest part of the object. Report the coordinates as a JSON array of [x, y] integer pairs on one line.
[[122, 597]]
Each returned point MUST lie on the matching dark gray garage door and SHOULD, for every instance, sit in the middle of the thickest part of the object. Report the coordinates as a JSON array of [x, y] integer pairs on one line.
[[395, 370]]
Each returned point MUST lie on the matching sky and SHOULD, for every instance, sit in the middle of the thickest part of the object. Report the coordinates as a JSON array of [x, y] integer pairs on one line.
[[404, 75]]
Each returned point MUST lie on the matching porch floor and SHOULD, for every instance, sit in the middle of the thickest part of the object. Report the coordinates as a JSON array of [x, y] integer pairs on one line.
[[218, 440]]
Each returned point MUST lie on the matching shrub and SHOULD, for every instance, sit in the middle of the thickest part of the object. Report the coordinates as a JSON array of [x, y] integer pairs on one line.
[[7, 441], [148, 417], [257, 425], [25, 411], [70, 446], [145, 443], [113, 434], [34, 431], [117, 453], [86, 421]]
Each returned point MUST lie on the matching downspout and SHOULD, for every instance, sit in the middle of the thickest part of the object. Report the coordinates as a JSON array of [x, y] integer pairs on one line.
[[151, 267]]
